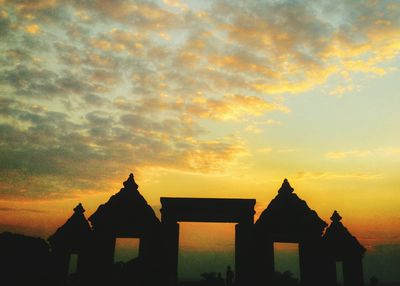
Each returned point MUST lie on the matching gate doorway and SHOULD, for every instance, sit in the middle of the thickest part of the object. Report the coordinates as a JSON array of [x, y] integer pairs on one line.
[[239, 211], [205, 248]]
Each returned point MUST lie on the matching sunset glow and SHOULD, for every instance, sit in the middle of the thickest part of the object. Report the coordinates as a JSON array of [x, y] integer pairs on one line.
[[219, 99]]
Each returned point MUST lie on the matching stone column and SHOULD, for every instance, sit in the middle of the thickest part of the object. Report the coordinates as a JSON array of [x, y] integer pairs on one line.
[[331, 278], [170, 250], [263, 250], [244, 256], [353, 271], [102, 256], [60, 263], [313, 267]]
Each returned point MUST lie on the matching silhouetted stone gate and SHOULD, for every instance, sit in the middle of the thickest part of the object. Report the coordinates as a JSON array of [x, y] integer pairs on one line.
[[288, 219], [240, 211], [127, 214]]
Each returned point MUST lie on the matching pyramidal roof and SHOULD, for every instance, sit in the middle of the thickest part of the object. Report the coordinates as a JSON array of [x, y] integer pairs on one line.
[[288, 216], [125, 213], [340, 239], [73, 232]]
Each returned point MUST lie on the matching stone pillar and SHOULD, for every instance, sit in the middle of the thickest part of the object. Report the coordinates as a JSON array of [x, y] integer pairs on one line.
[[84, 267], [313, 266], [305, 263], [353, 271], [102, 257], [330, 272], [263, 250], [150, 246], [244, 257], [144, 246], [108, 251], [171, 249], [60, 263]]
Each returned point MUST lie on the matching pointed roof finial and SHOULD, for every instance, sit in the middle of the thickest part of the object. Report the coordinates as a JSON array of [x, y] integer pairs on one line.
[[130, 182], [336, 217], [79, 209], [286, 188]]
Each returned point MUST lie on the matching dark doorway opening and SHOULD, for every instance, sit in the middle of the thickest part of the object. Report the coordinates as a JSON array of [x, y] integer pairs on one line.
[[286, 259], [339, 272], [126, 249], [73, 263], [205, 248]]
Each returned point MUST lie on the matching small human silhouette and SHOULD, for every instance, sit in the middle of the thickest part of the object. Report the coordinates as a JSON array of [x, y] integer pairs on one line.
[[229, 276]]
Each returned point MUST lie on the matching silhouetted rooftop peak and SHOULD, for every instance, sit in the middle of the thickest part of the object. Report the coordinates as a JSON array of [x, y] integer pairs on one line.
[[125, 213], [288, 215], [79, 209], [336, 217], [339, 237], [130, 183], [73, 232], [285, 188]]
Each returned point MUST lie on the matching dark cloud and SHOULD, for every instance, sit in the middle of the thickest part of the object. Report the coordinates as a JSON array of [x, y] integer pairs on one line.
[[5, 24], [146, 15], [51, 154], [95, 100], [30, 81]]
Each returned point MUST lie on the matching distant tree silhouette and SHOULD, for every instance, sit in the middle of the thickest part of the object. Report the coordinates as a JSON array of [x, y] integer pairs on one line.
[[285, 279]]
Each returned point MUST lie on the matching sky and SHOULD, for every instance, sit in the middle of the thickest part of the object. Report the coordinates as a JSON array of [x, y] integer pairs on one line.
[[202, 99]]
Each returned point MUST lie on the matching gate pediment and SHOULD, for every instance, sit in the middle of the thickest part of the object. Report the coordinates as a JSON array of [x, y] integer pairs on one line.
[[289, 219], [125, 214]]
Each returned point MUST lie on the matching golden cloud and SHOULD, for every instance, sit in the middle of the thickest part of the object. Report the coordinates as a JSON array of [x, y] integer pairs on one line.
[[32, 28], [387, 151], [334, 175], [232, 107], [26, 6]]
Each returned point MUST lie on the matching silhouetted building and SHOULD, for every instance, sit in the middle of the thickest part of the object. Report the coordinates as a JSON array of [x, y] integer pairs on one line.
[[341, 246], [288, 219], [127, 215], [73, 237]]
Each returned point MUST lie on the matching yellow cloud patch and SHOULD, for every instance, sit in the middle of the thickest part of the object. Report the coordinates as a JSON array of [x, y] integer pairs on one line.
[[214, 156], [32, 6], [346, 154], [101, 44], [3, 14], [241, 64], [334, 175], [233, 107], [387, 151], [32, 29]]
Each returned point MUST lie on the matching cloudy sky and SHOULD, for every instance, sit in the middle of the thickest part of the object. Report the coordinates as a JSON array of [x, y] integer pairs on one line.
[[201, 99]]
